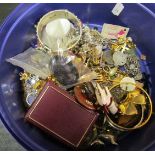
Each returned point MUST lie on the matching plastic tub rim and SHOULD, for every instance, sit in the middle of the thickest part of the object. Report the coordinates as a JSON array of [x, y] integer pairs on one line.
[[13, 133], [23, 141]]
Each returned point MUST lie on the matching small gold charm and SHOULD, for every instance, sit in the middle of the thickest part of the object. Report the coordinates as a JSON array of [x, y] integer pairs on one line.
[[39, 85], [24, 76], [143, 57]]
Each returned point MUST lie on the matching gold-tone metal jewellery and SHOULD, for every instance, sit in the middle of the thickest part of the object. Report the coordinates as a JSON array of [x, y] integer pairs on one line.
[[139, 97], [109, 81]]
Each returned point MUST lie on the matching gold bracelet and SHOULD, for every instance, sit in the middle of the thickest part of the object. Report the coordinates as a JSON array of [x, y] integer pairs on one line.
[[140, 124]]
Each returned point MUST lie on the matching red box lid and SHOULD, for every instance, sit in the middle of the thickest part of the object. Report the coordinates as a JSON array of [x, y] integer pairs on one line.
[[57, 112]]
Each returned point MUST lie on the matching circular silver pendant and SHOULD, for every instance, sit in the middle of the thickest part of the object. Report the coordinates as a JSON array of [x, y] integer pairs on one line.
[[31, 98], [119, 58]]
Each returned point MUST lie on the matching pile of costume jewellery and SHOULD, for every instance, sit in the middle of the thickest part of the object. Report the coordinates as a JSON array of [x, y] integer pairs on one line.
[[101, 69]]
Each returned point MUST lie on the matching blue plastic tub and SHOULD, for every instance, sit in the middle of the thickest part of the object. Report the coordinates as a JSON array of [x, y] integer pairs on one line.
[[18, 33]]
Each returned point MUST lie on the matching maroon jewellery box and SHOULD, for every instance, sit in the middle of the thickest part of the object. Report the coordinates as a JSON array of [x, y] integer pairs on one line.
[[57, 112]]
